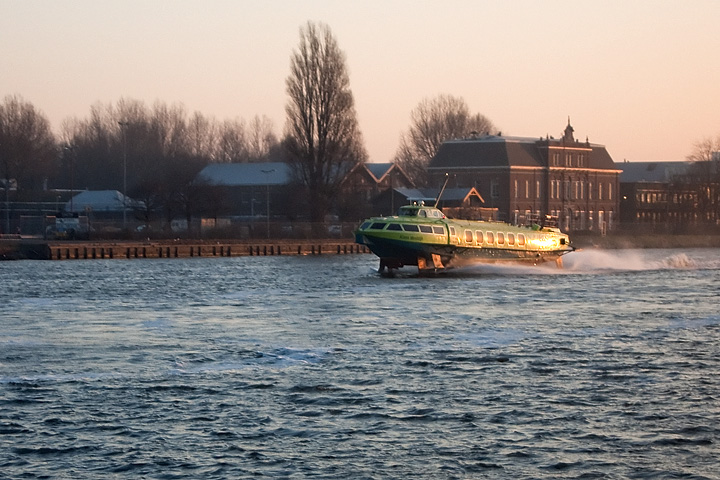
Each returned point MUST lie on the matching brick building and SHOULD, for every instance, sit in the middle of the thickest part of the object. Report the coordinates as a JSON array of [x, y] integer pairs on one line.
[[575, 181]]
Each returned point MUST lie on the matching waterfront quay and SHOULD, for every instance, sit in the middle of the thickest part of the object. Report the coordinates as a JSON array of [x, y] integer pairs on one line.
[[71, 250]]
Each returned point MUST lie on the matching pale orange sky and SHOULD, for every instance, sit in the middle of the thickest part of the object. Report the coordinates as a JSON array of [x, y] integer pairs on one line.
[[641, 77]]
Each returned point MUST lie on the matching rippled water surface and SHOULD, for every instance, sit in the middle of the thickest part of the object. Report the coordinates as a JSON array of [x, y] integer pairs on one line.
[[318, 367]]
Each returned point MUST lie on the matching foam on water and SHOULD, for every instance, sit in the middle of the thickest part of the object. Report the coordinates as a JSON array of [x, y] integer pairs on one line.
[[594, 261]]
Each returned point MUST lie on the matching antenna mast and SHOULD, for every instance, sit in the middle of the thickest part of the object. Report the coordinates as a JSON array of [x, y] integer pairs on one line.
[[437, 200]]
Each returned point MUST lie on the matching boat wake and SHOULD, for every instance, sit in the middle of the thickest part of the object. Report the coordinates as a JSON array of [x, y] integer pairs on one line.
[[593, 261]]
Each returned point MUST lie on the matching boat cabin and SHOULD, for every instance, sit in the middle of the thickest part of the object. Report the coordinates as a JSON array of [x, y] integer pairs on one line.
[[420, 210]]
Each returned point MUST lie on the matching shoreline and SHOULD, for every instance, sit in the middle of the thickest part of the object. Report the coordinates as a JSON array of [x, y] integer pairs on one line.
[[17, 248]]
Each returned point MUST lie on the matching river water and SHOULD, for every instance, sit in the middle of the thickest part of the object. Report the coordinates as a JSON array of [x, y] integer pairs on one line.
[[296, 367]]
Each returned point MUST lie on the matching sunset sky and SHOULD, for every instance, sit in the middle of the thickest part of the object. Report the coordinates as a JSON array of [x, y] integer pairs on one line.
[[641, 77]]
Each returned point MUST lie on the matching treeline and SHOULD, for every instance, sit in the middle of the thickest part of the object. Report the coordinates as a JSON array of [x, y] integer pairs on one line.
[[152, 153], [156, 143], [127, 144], [157, 153]]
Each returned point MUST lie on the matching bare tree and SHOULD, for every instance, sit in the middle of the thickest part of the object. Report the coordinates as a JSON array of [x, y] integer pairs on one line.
[[706, 150], [435, 121], [261, 139], [322, 136], [202, 136], [704, 177], [28, 148], [232, 145]]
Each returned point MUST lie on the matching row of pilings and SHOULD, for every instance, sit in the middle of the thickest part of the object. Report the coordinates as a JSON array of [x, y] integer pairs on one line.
[[86, 250]]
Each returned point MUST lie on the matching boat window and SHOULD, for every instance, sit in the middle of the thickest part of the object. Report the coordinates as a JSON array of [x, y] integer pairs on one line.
[[438, 230], [500, 238], [407, 212], [490, 237], [479, 236], [422, 213], [365, 225], [511, 239], [378, 225], [452, 231], [469, 236], [409, 227], [394, 226], [521, 239], [426, 229]]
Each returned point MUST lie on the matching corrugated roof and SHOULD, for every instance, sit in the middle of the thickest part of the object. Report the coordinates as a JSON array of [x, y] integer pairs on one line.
[[246, 174]]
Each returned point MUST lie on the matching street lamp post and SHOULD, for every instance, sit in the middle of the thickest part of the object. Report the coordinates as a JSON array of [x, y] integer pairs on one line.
[[71, 149], [124, 135], [267, 198]]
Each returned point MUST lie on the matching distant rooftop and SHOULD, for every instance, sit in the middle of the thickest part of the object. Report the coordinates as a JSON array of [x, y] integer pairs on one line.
[[246, 174], [101, 201], [633, 172]]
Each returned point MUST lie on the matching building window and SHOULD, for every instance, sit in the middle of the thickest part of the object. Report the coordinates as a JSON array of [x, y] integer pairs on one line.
[[609, 191], [556, 160], [590, 196], [600, 192], [581, 160], [516, 189], [568, 160], [537, 189], [494, 189]]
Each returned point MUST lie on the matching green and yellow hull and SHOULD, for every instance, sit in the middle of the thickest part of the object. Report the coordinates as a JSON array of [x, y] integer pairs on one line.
[[425, 238]]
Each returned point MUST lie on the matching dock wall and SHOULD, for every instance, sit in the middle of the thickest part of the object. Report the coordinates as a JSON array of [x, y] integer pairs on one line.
[[66, 251]]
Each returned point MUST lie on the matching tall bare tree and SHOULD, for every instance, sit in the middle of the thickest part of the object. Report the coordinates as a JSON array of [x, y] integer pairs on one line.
[[435, 121], [322, 136], [28, 148]]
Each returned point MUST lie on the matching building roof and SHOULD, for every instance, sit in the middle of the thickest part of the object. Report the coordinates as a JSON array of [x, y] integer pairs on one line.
[[634, 172], [418, 194], [504, 151], [246, 174], [428, 195], [378, 170], [101, 201]]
